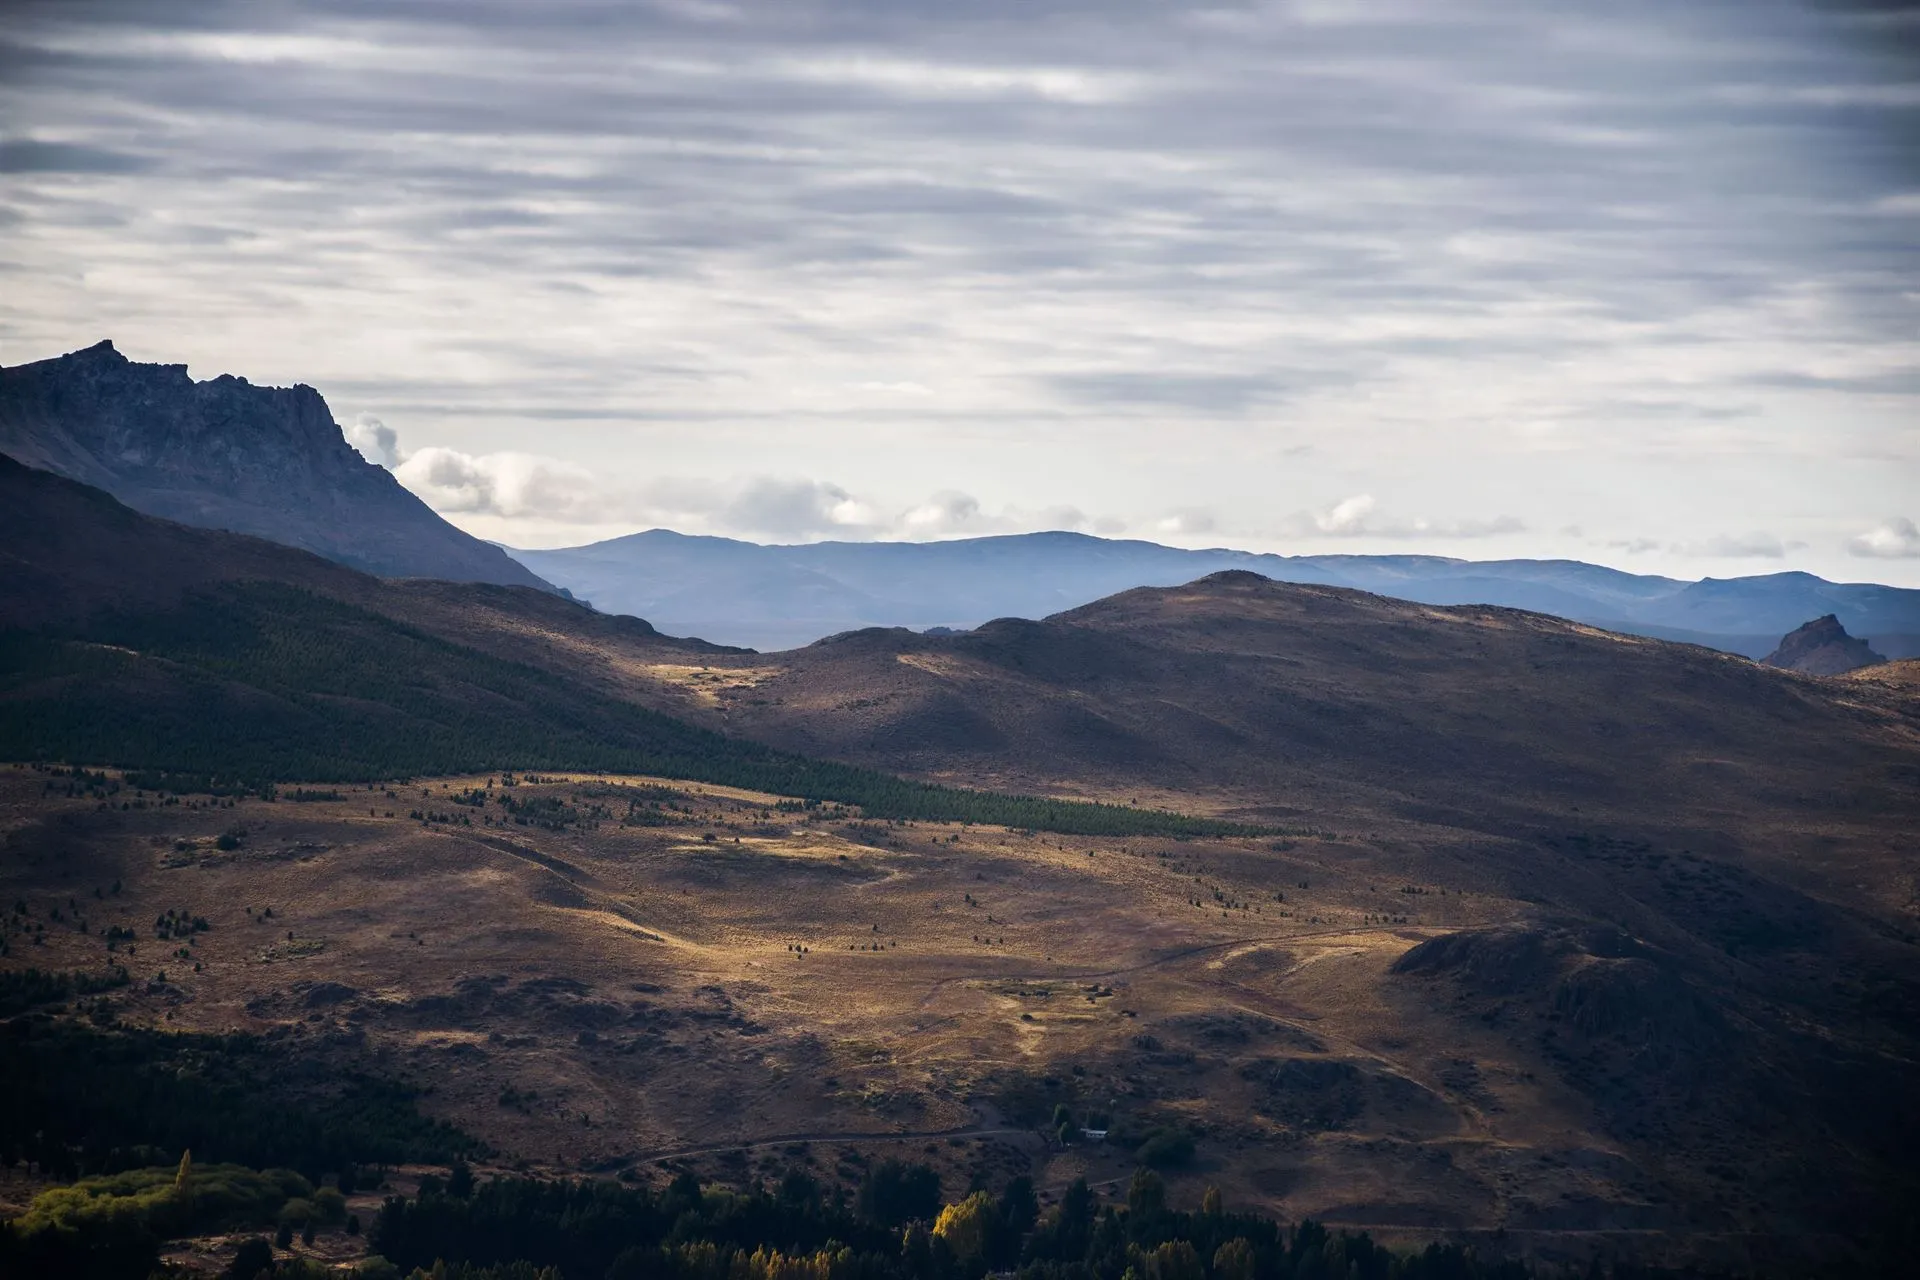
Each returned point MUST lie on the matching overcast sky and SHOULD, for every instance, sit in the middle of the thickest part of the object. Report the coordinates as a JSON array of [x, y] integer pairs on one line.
[[1634, 282]]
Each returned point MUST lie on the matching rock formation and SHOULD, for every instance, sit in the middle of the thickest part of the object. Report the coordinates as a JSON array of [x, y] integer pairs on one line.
[[1822, 648], [225, 454]]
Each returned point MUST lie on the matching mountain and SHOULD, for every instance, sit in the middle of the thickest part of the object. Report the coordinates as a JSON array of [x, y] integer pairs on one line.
[[1822, 648], [779, 597], [225, 454], [1564, 938]]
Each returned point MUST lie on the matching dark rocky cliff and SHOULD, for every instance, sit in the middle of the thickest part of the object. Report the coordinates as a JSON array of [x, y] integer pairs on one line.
[[225, 454], [1822, 648]]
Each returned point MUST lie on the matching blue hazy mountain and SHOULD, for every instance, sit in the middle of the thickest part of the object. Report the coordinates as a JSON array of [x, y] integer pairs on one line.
[[778, 597]]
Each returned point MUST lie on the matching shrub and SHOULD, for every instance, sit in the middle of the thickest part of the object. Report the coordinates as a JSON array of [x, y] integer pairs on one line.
[[329, 1205], [1166, 1149]]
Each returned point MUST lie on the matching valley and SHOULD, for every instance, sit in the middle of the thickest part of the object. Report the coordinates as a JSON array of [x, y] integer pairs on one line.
[[670, 976]]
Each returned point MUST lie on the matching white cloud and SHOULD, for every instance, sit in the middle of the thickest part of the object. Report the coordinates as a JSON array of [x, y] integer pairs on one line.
[[514, 485], [1359, 517], [528, 490], [1894, 538], [377, 442], [795, 508], [1185, 521], [947, 512], [1348, 516]]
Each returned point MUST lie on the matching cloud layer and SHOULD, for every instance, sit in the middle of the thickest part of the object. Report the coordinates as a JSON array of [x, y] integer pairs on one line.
[[1201, 271]]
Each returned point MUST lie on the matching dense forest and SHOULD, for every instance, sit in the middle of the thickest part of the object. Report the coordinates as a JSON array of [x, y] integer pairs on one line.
[[87, 1099], [258, 683]]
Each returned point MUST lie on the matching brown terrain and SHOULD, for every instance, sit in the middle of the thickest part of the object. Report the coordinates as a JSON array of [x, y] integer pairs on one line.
[[1570, 936]]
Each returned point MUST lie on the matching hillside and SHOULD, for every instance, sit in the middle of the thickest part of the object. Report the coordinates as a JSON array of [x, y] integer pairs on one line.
[[139, 643], [1312, 697], [780, 597], [1516, 932], [225, 454]]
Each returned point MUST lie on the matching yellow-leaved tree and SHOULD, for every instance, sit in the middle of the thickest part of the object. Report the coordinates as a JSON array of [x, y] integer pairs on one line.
[[964, 1226]]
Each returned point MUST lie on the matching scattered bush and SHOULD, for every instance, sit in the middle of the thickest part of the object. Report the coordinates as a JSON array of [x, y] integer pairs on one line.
[[1166, 1149]]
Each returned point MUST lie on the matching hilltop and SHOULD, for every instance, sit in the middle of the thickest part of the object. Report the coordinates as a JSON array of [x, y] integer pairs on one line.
[[1823, 648]]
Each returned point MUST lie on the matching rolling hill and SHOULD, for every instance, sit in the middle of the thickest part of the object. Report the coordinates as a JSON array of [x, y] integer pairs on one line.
[[1503, 925], [131, 641]]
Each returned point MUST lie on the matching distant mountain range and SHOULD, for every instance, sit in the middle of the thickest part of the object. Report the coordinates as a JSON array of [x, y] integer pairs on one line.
[[225, 454], [268, 461], [780, 597]]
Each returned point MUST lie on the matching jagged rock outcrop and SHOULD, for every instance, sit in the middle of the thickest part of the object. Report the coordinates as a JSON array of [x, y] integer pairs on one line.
[[1823, 648], [225, 454]]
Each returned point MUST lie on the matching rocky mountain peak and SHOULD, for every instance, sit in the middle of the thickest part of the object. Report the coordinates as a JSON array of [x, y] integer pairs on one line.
[[1822, 648], [226, 454]]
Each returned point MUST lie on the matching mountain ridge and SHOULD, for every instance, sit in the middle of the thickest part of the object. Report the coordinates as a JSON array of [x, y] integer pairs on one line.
[[773, 597], [223, 453]]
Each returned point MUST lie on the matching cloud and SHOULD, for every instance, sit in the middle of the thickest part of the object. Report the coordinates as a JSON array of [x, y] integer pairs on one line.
[[1040, 253], [1740, 546], [26, 155], [1894, 538], [527, 487], [1199, 392], [377, 442], [1187, 520], [795, 508], [945, 511], [1348, 516], [1359, 517], [513, 485]]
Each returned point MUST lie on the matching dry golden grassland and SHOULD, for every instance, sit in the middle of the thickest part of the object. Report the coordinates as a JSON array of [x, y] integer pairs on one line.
[[610, 996]]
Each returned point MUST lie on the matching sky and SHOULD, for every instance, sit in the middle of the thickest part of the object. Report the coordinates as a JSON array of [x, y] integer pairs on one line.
[[1630, 282]]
